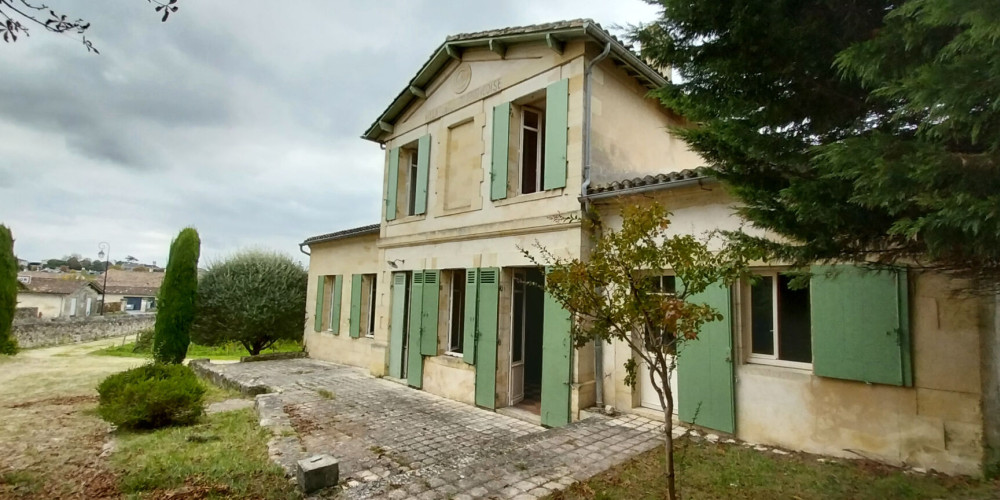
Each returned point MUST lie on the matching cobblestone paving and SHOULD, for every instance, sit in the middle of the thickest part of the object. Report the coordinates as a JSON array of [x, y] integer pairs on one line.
[[396, 442]]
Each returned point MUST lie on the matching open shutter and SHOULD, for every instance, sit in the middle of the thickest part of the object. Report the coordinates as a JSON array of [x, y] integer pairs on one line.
[[397, 325], [423, 168], [498, 165], [556, 134], [488, 298], [471, 309], [415, 365], [429, 317], [556, 363], [355, 320], [860, 325], [705, 368], [392, 184], [318, 312], [335, 300]]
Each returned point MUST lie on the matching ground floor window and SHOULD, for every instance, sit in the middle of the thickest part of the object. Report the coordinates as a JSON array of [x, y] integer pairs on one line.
[[369, 290], [456, 332], [779, 320]]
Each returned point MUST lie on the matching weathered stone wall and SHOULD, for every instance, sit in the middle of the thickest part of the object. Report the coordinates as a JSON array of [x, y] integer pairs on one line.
[[57, 331], [26, 313]]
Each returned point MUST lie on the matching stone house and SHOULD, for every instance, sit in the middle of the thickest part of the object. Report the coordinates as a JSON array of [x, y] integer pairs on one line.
[[502, 132], [57, 297], [134, 291]]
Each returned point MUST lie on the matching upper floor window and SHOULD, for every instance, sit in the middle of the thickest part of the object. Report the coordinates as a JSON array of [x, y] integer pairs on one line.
[[532, 153], [411, 180], [406, 183]]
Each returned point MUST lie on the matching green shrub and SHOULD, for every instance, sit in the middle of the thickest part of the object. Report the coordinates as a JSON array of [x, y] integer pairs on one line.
[[176, 301], [143, 341], [151, 396], [8, 291]]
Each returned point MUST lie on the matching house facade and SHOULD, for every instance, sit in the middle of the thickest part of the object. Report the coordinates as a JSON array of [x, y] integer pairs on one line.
[[494, 147], [56, 297], [133, 292]]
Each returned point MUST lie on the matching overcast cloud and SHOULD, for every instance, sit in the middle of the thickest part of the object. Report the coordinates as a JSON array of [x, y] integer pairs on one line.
[[239, 118]]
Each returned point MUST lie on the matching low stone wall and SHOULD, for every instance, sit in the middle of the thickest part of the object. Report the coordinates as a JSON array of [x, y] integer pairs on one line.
[[50, 332], [25, 313]]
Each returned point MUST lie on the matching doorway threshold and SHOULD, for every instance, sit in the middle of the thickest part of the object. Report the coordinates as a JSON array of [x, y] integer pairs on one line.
[[521, 414]]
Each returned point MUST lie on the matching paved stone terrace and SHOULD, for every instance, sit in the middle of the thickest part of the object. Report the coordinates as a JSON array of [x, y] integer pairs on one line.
[[396, 442]]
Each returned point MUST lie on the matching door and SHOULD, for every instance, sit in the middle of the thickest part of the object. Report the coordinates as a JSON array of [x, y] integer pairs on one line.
[[647, 394], [705, 368], [517, 335], [556, 363], [488, 299], [397, 328]]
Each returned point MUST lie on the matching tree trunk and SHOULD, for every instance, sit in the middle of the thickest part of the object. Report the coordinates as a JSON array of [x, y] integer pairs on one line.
[[667, 403]]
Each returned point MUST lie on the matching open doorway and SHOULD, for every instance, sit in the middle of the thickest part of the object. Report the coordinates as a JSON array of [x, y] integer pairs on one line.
[[527, 307]]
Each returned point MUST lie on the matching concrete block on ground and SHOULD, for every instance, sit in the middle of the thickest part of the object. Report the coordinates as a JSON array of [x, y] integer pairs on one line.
[[318, 472]]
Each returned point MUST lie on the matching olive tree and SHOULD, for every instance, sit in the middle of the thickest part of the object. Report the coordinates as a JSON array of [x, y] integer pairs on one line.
[[255, 298], [613, 298]]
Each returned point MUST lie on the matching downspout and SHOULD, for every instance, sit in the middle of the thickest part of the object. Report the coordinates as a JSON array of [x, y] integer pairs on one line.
[[303, 251], [587, 95]]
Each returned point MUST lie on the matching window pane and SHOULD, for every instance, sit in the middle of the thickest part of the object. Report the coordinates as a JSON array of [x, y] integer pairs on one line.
[[762, 316], [529, 162], [794, 326], [669, 284], [530, 119], [411, 202], [457, 312], [371, 303], [517, 332]]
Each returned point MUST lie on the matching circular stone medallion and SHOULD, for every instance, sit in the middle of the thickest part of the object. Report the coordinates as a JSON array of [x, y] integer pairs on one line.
[[463, 75]]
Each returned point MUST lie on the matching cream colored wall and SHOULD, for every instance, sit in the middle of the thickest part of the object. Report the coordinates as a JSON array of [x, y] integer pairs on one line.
[[629, 136], [525, 69], [348, 256], [937, 424], [49, 305]]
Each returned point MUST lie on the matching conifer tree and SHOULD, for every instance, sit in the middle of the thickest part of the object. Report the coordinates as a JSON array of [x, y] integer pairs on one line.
[[853, 130], [177, 298], [8, 291]]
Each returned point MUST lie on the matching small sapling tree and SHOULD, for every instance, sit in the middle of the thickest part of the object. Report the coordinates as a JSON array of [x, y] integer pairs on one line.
[[8, 291], [176, 300], [255, 298], [616, 295]]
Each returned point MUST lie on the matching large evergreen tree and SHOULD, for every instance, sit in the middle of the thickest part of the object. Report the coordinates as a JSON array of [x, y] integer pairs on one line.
[[853, 130], [176, 301], [8, 291]]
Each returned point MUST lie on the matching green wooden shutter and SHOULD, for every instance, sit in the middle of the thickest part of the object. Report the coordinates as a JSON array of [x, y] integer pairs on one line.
[[860, 325], [429, 321], [471, 310], [397, 325], [318, 312], [498, 165], [556, 363], [414, 365], [355, 320], [486, 345], [705, 392], [392, 184], [423, 168], [556, 134], [337, 298]]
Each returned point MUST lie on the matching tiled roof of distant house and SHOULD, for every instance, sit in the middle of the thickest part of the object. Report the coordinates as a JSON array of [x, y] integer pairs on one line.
[[346, 233], [51, 285], [131, 283]]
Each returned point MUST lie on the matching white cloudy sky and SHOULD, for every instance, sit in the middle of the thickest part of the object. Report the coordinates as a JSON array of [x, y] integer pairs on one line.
[[239, 118]]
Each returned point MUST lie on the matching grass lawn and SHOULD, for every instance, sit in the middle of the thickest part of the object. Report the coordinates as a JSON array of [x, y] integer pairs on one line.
[[706, 470], [225, 456], [195, 351]]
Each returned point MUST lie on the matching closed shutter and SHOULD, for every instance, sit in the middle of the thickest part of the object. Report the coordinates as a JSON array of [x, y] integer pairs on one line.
[[397, 325], [423, 168], [392, 184], [318, 311], [705, 391], [860, 324], [355, 320], [556, 363], [488, 299], [556, 134], [471, 314], [414, 365], [336, 299], [498, 165], [429, 316]]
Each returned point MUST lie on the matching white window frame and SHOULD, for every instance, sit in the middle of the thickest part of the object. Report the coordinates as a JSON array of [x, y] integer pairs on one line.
[[451, 312], [539, 146], [747, 326], [411, 181], [372, 290]]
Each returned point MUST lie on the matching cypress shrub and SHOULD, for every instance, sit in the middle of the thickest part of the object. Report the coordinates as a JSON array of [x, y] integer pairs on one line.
[[151, 396], [176, 300], [8, 291]]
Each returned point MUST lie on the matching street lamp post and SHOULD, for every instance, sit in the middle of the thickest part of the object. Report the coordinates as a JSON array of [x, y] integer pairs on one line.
[[105, 253]]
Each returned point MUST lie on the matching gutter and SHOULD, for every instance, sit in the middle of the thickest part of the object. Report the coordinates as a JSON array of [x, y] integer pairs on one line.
[[303, 251], [587, 96]]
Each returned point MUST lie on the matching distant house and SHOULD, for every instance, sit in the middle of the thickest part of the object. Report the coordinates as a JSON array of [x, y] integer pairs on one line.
[[57, 297], [135, 291]]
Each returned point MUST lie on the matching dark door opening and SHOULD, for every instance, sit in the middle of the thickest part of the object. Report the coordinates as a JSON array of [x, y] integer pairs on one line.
[[526, 339]]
